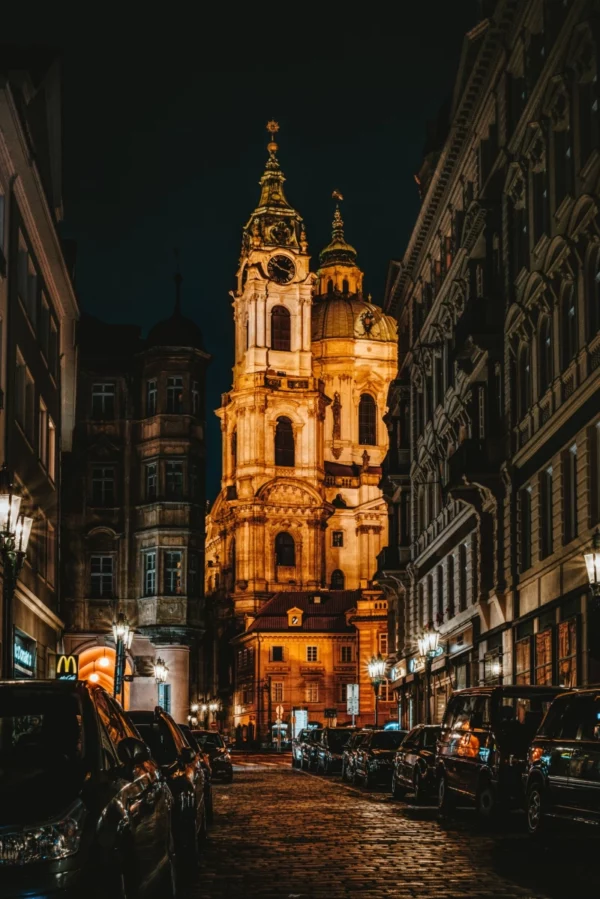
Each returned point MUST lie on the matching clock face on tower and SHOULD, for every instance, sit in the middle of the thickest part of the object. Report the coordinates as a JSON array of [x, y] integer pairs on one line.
[[281, 269]]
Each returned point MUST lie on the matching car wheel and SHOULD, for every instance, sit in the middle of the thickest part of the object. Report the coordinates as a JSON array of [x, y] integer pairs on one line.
[[398, 792], [536, 820], [486, 802], [446, 801], [419, 787]]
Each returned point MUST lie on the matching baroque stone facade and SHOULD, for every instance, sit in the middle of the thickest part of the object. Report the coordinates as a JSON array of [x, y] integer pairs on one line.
[[134, 506], [498, 305], [303, 436]]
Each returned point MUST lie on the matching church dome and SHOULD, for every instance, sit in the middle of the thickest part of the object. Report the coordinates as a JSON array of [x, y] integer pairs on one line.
[[177, 330], [351, 317]]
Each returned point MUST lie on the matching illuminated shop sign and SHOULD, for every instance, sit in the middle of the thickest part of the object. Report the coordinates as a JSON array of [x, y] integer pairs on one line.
[[67, 667], [24, 655]]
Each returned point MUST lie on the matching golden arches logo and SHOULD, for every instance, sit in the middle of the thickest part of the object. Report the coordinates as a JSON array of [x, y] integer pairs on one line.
[[67, 667]]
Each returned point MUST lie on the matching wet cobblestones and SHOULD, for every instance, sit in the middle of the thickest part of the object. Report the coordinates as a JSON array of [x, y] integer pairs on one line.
[[286, 834]]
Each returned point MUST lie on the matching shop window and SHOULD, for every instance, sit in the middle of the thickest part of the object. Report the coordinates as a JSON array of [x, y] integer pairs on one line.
[[492, 667], [523, 661], [280, 329], [567, 653], [284, 443], [285, 550], [367, 420], [543, 657], [164, 697]]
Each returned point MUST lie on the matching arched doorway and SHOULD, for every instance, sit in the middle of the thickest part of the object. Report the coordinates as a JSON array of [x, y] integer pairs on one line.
[[97, 665]]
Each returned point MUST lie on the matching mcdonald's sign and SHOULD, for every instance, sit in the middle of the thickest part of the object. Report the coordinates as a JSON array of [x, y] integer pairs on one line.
[[67, 667]]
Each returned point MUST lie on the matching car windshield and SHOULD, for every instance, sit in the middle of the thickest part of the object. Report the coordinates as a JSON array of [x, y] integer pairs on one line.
[[387, 739], [159, 741], [41, 751], [209, 741], [337, 739]]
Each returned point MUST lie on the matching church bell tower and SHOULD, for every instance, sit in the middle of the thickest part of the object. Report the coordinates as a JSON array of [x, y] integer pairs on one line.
[[271, 512]]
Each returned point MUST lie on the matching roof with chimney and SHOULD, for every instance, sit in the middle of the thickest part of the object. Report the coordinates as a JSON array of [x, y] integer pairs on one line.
[[322, 611]]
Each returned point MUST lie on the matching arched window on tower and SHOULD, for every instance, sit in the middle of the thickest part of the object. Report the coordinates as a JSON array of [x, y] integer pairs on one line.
[[285, 550], [281, 334], [284, 443], [234, 450], [345, 286], [330, 287], [367, 420], [337, 579]]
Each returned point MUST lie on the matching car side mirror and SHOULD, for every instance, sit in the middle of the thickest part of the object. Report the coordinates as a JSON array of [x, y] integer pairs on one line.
[[132, 752], [188, 755]]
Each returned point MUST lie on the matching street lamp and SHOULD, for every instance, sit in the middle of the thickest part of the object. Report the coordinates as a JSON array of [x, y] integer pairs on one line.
[[592, 563], [15, 529], [428, 650], [161, 671], [376, 667], [123, 637]]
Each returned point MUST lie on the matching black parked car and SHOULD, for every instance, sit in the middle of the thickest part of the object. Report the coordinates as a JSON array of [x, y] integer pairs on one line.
[[375, 756], [484, 739], [220, 759], [349, 754], [414, 764], [297, 746], [84, 810], [179, 764], [308, 748], [563, 776], [204, 761], [331, 747]]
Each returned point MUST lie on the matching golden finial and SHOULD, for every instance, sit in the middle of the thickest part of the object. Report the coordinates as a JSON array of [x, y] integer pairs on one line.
[[272, 128], [336, 195]]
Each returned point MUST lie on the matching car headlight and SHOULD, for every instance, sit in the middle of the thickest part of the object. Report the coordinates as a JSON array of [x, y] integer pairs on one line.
[[46, 842]]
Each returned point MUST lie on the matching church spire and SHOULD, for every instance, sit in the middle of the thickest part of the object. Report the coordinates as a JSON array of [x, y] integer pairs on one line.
[[274, 222], [338, 271]]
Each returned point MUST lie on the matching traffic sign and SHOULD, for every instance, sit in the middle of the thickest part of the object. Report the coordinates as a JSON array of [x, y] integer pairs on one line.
[[279, 711], [352, 699]]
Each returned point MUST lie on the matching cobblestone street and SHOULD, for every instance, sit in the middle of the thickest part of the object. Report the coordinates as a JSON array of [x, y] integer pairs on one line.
[[285, 833]]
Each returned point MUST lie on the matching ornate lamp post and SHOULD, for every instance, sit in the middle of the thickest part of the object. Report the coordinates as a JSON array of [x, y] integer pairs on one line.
[[15, 529], [123, 637], [592, 563], [376, 667], [428, 649], [193, 716]]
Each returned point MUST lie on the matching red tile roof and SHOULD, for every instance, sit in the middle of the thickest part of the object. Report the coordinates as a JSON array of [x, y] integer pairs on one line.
[[327, 616]]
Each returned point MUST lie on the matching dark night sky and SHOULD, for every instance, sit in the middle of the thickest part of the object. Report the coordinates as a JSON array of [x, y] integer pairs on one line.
[[164, 142]]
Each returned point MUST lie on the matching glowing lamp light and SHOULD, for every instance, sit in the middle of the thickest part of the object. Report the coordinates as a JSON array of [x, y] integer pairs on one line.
[[213, 706], [161, 671], [103, 661], [194, 708], [592, 563], [22, 533], [10, 503], [122, 631], [376, 667], [94, 676], [428, 643]]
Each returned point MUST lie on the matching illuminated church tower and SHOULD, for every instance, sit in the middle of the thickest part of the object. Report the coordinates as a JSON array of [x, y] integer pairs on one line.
[[303, 434]]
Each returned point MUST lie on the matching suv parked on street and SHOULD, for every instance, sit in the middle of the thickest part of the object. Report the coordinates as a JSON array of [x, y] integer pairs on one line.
[[482, 750], [84, 810], [331, 747], [308, 748], [563, 776], [414, 764], [297, 746], [212, 743], [375, 756]]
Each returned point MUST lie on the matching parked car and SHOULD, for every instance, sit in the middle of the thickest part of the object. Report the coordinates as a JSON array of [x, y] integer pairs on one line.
[[297, 746], [204, 760], [308, 748], [331, 747], [563, 774], [179, 763], [484, 739], [375, 756], [349, 754], [220, 759], [84, 810], [414, 763]]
